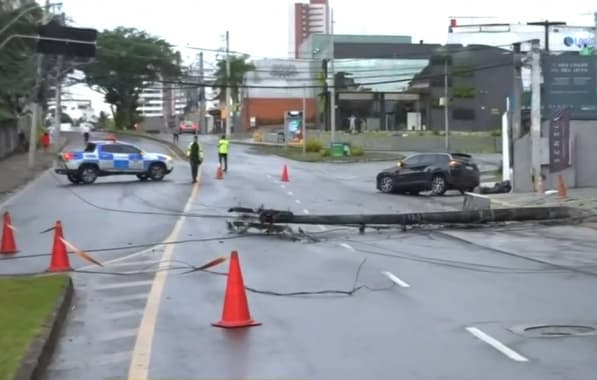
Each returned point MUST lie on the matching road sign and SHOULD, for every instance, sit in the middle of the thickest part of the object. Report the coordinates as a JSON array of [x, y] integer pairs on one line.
[[570, 82]]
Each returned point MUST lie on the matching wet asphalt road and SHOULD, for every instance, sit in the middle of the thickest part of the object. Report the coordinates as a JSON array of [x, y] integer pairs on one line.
[[422, 329]]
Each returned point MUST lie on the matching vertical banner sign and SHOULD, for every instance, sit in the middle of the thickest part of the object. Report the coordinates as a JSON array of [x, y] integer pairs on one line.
[[559, 141]]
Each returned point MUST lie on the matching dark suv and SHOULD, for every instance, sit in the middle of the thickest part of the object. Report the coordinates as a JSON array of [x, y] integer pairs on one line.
[[437, 172]]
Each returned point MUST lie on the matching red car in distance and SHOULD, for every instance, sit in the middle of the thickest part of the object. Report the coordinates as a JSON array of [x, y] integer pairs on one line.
[[188, 127]]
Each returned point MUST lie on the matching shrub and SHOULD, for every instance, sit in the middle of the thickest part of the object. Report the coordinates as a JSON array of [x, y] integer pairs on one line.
[[496, 133], [325, 152], [356, 151], [313, 145]]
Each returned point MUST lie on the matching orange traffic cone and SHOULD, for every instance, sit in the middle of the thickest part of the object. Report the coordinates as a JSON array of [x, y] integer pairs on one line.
[[285, 174], [219, 172], [8, 245], [59, 261], [562, 191], [236, 308]]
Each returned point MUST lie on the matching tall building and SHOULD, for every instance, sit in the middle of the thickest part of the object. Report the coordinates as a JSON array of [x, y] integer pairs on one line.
[[157, 100], [307, 19]]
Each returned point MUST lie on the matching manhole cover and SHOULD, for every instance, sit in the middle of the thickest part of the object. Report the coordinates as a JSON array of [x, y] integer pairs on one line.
[[556, 330]]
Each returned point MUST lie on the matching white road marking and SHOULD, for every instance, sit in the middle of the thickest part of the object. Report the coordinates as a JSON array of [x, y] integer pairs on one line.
[[298, 202], [127, 298], [283, 186], [269, 176], [306, 211], [141, 356], [120, 285], [497, 345], [290, 193], [395, 279], [347, 246], [322, 227]]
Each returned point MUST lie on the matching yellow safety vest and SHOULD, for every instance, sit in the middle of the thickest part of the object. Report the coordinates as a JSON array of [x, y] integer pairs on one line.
[[200, 150], [223, 146]]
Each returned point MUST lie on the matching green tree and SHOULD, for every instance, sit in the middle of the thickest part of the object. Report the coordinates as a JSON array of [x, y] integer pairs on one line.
[[17, 61], [128, 60], [239, 66]]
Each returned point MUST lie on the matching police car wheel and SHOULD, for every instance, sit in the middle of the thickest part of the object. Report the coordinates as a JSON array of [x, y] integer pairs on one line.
[[88, 174], [73, 178], [157, 172]]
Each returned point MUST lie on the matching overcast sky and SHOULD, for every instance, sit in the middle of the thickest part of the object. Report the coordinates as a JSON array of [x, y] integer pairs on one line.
[[260, 27]]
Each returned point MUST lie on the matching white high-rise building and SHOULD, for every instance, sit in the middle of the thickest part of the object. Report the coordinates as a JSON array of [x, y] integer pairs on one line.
[[157, 100], [307, 19]]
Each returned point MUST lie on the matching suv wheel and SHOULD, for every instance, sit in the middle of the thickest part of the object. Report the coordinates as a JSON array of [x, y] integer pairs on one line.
[[143, 177], [438, 185], [88, 174], [386, 184], [157, 172]]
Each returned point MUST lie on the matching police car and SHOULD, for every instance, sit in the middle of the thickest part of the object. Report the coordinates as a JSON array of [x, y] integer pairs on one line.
[[111, 157]]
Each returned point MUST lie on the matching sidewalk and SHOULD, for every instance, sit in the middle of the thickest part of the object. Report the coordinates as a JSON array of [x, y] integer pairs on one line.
[[585, 198], [15, 172]]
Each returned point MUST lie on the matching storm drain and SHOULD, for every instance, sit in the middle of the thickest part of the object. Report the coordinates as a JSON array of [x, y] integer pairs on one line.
[[555, 331]]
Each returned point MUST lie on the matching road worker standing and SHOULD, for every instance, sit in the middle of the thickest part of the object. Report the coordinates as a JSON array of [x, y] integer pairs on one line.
[[195, 156], [223, 151]]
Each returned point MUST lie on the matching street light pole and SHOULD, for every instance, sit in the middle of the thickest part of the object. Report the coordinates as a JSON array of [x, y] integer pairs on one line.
[[333, 87], [446, 113], [35, 103], [304, 120], [227, 84]]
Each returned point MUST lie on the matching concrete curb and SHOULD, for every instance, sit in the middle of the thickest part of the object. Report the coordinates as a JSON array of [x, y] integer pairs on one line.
[[148, 136], [40, 352], [323, 161]]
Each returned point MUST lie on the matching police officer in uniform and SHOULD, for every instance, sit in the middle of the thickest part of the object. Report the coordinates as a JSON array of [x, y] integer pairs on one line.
[[223, 151], [195, 155]]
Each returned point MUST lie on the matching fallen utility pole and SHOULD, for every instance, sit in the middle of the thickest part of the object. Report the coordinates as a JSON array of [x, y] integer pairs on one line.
[[271, 217]]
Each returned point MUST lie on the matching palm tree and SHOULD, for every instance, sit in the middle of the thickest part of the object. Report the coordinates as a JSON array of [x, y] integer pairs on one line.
[[239, 66]]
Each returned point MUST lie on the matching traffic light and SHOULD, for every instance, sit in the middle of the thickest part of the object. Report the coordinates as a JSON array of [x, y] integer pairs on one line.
[[53, 36]]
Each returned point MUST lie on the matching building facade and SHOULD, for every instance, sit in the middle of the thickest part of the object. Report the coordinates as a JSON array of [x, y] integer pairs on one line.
[[158, 100], [275, 87], [562, 38], [307, 19], [161, 106], [389, 83]]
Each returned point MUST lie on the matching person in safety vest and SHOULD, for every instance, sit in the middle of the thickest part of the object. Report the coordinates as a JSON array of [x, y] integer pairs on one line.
[[195, 156], [223, 151]]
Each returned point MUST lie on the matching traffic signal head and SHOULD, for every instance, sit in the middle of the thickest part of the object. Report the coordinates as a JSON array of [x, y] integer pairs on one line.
[[62, 40]]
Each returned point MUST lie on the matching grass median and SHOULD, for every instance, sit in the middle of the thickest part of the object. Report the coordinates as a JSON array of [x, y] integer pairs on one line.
[[26, 304], [296, 154]]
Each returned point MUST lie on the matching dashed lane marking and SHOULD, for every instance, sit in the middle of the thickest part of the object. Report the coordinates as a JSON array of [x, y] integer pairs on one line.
[[395, 279], [306, 211], [141, 356], [497, 344], [298, 202], [290, 193], [120, 285]]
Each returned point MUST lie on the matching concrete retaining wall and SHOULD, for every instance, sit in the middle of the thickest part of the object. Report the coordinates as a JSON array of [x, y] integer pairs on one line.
[[8, 137]]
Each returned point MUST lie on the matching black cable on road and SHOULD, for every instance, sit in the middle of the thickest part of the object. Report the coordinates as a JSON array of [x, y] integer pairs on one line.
[[192, 269]]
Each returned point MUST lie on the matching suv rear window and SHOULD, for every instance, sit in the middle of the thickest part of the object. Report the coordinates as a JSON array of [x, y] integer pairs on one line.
[[467, 158]]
